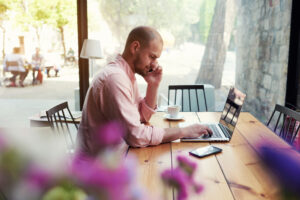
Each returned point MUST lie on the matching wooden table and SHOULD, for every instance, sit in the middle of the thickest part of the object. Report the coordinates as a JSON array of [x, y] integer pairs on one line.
[[236, 173]]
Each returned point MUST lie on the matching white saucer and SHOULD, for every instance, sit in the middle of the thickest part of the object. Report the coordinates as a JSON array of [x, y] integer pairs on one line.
[[178, 117]]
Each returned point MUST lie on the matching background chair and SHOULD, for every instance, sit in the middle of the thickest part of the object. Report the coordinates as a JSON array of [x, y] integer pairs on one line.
[[192, 98], [286, 124], [60, 118]]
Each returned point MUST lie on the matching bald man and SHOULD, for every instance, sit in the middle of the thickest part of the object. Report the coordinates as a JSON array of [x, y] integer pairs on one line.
[[114, 96]]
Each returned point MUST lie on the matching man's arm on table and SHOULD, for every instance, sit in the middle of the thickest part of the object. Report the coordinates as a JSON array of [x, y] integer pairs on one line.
[[192, 131]]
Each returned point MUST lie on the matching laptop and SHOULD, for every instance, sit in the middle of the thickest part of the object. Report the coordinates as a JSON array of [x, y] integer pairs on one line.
[[222, 131]]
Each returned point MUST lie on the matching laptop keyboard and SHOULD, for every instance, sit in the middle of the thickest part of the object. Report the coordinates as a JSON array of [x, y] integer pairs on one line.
[[215, 131]]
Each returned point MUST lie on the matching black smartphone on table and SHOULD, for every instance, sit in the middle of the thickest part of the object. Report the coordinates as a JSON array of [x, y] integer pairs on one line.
[[205, 151]]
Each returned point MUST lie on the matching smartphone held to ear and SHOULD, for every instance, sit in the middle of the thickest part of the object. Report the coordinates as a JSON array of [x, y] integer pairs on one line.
[[205, 151]]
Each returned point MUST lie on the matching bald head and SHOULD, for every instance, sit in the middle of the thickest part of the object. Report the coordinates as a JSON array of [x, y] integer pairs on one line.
[[144, 35]]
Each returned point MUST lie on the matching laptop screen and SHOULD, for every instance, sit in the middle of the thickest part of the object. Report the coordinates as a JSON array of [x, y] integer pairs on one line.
[[232, 109]]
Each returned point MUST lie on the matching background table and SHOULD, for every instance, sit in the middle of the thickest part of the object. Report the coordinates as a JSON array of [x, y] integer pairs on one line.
[[37, 121], [236, 173]]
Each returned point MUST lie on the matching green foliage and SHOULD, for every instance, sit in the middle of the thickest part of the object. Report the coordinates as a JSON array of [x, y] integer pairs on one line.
[[3, 7], [11, 163], [43, 12], [31, 13], [65, 191], [64, 12], [175, 16]]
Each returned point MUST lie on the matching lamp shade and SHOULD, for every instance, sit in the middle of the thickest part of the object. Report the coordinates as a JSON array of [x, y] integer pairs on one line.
[[91, 49]]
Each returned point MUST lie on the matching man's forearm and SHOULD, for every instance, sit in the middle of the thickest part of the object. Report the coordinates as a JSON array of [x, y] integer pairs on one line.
[[172, 134], [191, 131], [151, 95]]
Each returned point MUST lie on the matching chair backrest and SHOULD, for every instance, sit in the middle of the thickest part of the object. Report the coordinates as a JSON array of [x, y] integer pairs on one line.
[[190, 97], [60, 117], [287, 123]]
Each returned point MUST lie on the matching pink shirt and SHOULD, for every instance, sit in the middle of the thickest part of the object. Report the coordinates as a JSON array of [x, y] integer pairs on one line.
[[114, 95]]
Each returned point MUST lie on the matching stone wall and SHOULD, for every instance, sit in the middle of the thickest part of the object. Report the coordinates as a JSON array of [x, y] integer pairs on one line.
[[262, 46]]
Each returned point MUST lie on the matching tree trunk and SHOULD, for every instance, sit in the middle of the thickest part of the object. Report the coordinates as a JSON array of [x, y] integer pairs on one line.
[[3, 42], [213, 60], [38, 36], [61, 29]]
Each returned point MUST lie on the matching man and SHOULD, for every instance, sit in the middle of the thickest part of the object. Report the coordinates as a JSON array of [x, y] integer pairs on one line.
[[14, 63], [113, 96], [36, 62], [71, 55]]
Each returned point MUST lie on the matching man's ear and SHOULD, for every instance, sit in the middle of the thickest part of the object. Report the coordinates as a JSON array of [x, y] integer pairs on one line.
[[134, 47]]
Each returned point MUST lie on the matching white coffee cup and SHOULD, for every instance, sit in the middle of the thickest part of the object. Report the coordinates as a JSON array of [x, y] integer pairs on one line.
[[173, 110]]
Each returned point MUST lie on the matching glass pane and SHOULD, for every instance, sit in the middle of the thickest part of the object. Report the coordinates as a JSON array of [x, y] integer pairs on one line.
[[214, 42], [42, 34]]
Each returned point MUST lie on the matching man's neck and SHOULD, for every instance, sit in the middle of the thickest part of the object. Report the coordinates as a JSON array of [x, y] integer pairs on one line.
[[129, 60]]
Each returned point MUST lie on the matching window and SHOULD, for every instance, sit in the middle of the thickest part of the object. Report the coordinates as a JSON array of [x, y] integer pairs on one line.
[[222, 43], [48, 26]]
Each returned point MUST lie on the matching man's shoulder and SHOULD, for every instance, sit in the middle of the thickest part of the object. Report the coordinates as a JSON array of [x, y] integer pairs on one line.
[[112, 76], [113, 70]]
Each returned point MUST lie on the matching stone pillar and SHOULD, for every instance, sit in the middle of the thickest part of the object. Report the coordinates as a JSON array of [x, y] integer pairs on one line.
[[263, 31]]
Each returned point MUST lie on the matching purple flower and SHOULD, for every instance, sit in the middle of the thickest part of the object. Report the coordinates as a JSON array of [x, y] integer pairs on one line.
[[182, 177], [178, 179], [110, 134], [197, 187], [93, 174], [285, 164], [185, 164], [37, 177]]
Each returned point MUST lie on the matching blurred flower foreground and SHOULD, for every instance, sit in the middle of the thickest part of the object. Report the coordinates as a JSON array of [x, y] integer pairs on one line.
[[35, 165], [285, 165], [182, 178]]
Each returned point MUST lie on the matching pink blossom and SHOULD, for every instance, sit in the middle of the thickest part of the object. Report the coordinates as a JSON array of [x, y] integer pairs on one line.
[[198, 187], [178, 179], [37, 177], [188, 166], [94, 175], [182, 178]]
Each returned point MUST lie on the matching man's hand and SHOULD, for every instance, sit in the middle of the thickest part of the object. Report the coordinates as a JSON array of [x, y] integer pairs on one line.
[[155, 75], [195, 130], [192, 131]]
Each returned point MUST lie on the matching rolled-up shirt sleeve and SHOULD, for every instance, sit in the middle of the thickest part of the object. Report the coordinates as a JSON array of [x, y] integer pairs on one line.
[[120, 104], [145, 111]]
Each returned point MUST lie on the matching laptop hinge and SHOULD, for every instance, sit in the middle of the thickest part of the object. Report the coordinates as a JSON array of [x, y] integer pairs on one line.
[[224, 130]]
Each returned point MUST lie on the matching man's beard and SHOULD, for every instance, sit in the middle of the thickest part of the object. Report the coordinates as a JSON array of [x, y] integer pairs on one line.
[[138, 70]]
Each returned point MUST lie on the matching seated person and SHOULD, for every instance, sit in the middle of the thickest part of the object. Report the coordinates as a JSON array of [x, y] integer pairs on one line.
[[114, 96], [36, 62], [56, 68], [71, 55], [14, 63]]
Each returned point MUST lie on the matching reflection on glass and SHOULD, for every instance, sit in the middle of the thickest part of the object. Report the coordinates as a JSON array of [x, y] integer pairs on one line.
[[232, 109]]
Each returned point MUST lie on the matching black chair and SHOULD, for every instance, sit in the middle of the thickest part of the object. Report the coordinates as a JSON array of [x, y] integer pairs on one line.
[[60, 118], [189, 95], [285, 123]]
